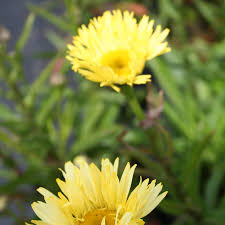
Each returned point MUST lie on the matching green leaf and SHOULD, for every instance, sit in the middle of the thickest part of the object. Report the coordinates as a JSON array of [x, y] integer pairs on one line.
[[152, 165], [222, 201], [137, 137], [192, 167], [25, 33], [46, 106], [178, 120], [167, 82], [213, 186], [66, 124], [208, 11], [11, 141], [67, 118], [109, 116], [37, 84], [93, 139], [91, 117], [56, 40], [7, 115], [26, 178], [167, 9], [71, 7], [172, 207], [215, 216], [56, 20]]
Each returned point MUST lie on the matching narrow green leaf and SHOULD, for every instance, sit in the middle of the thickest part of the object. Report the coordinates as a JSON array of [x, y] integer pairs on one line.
[[56, 20], [167, 9], [167, 82], [137, 137], [222, 201], [109, 116], [26, 178], [71, 7], [213, 186], [47, 105], [67, 118], [7, 115], [13, 142], [56, 40], [172, 207], [92, 115], [25, 33], [147, 162], [52, 131], [215, 216], [92, 140], [178, 120], [192, 167], [35, 87], [66, 124], [208, 11]]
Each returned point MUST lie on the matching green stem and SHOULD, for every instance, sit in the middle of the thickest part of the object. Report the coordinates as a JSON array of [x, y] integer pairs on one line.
[[128, 92], [136, 108]]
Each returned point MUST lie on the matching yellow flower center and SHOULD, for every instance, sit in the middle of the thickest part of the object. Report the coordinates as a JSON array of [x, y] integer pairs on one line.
[[118, 61], [95, 217]]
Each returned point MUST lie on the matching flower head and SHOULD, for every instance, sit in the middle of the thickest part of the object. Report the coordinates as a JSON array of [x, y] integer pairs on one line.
[[97, 197], [113, 48]]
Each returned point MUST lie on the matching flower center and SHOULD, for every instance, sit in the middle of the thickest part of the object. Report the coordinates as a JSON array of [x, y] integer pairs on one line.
[[118, 61], [95, 217]]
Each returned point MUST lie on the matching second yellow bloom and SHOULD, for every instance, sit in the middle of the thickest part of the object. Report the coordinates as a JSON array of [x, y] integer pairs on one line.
[[113, 49]]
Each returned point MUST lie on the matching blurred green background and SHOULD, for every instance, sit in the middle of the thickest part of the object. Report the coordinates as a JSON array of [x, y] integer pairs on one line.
[[53, 116]]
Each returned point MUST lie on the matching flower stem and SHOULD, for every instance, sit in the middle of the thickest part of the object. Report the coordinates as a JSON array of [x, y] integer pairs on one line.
[[128, 92]]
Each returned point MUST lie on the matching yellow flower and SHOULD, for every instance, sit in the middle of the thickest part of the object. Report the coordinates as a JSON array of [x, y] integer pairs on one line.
[[113, 49], [97, 197]]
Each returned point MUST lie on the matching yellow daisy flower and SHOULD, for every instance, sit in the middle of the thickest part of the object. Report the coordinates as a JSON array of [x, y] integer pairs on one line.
[[97, 197], [113, 49]]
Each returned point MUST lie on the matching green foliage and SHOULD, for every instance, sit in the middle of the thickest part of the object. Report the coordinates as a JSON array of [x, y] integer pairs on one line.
[[49, 121]]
